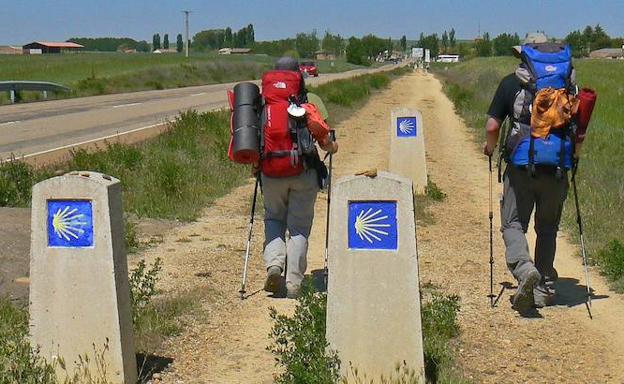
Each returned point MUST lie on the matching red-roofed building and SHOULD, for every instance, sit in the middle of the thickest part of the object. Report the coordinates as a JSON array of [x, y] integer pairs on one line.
[[39, 47]]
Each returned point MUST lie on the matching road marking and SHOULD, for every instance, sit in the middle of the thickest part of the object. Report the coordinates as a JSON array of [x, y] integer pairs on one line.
[[125, 105], [10, 122], [199, 94], [68, 146]]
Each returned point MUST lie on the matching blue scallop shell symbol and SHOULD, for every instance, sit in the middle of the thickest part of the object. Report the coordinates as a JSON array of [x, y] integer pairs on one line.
[[373, 225], [407, 127], [70, 223]]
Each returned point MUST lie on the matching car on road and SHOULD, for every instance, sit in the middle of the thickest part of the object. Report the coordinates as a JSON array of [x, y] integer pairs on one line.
[[309, 67]]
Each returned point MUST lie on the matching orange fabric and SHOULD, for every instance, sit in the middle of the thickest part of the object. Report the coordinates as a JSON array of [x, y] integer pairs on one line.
[[552, 109], [316, 124]]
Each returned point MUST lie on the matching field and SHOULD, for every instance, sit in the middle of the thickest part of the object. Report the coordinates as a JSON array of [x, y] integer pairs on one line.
[[102, 73], [471, 86]]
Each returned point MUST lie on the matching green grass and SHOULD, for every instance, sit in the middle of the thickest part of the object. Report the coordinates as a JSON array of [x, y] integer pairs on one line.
[[104, 73], [471, 85]]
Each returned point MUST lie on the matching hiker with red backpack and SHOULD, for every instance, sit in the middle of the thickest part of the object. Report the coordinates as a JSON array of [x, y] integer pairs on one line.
[[287, 163], [541, 103]]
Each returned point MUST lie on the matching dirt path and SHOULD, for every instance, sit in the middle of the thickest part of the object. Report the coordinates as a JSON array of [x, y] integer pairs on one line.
[[227, 343]]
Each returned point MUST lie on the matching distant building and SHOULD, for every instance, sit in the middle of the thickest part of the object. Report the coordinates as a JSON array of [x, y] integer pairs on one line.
[[324, 55], [10, 50], [41, 47], [234, 51], [608, 53]]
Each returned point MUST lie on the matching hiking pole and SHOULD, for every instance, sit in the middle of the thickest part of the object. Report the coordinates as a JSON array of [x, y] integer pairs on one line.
[[332, 134], [580, 225], [492, 296], [251, 220]]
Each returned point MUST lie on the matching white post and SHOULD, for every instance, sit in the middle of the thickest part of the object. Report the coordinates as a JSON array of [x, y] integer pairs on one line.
[[79, 291], [373, 302]]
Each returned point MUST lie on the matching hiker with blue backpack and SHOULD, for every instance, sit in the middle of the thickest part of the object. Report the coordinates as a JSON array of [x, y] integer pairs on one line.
[[542, 143]]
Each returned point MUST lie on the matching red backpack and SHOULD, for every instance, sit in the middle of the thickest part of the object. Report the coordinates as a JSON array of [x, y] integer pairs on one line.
[[279, 151]]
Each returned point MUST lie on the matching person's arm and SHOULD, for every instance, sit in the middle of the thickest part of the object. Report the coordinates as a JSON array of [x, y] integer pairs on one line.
[[498, 111], [492, 131]]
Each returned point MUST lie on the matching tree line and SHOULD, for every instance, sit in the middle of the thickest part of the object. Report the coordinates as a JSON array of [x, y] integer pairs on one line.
[[111, 44], [213, 39]]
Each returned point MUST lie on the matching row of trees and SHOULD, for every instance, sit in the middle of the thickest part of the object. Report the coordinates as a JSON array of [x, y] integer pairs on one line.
[[303, 45], [590, 39], [213, 39], [165, 43], [111, 44], [363, 51]]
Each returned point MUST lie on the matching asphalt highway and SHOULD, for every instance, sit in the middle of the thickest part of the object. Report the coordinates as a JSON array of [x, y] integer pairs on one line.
[[35, 129]]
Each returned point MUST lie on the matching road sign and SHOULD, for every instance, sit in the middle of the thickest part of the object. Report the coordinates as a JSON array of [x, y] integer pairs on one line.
[[373, 225], [70, 223], [407, 126]]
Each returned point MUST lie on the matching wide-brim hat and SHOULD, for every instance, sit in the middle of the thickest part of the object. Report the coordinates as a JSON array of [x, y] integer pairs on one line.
[[531, 38]]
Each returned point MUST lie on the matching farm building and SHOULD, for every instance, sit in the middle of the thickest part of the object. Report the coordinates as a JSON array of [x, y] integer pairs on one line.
[[10, 50], [608, 53], [39, 47], [324, 55]]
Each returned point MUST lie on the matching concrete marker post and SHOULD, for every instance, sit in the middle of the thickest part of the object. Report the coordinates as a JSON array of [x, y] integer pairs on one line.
[[407, 147], [79, 290], [373, 303]]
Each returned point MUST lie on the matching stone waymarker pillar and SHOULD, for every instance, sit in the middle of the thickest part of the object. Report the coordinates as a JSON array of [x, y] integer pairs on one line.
[[407, 147], [373, 308], [79, 292]]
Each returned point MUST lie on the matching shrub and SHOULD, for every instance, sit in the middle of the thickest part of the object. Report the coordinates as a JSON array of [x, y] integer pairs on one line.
[[300, 346], [18, 362], [611, 260]]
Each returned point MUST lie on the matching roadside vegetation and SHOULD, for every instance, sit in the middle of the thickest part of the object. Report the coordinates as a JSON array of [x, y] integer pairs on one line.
[[471, 85], [303, 355]]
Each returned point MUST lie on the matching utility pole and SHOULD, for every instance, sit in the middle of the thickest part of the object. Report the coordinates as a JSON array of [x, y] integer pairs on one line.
[[186, 22]]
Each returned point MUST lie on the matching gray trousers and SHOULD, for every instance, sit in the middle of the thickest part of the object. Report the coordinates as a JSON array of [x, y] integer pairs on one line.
[[289, 205], [521, 193]]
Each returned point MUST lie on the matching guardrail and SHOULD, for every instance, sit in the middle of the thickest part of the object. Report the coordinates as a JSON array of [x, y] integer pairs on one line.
[[14, 87]]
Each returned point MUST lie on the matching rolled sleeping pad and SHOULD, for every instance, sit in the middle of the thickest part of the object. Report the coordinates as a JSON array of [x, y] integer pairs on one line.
[[587, 100], [246, 124]]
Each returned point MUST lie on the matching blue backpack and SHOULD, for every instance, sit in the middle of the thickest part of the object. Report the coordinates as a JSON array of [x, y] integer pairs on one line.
[[543, 66]]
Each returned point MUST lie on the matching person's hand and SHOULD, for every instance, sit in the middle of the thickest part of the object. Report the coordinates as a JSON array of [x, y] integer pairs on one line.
[[487, 150], [255, 169]]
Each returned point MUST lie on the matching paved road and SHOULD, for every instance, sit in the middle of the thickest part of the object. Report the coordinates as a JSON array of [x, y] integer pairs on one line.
[[27, 130]]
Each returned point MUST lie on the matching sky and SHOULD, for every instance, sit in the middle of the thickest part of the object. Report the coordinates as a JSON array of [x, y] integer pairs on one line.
[[24, 21]]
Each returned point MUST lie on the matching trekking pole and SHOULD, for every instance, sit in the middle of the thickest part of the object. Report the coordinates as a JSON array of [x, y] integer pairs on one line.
[[332, 134], [580, 225], [491, 295], [251, 220]]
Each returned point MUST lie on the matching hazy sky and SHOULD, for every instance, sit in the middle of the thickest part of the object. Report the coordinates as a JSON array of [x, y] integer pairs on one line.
[[23, 21]]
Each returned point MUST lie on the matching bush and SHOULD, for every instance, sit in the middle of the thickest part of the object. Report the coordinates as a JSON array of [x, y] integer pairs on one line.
[[18, 362], [16, 180], [611, 260], [143, 286], [300, 346]]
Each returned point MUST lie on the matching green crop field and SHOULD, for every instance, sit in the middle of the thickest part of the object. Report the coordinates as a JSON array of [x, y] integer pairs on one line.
[[471, 86], [102, 73]]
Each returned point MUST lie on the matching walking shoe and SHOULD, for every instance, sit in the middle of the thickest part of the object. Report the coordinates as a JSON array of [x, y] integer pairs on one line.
[[292, 290], [523, 299], [274, 274], [543, 295]]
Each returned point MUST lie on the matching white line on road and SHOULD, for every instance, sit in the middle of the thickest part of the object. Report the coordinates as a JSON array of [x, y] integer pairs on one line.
[[199, 94], [126, 105], [10, 122], [84, 142]]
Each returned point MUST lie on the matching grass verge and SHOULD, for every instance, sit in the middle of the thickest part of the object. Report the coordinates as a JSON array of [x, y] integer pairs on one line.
[[471, 85]]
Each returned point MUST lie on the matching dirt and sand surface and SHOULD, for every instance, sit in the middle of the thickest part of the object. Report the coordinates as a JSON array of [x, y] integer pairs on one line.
[[225, 341]]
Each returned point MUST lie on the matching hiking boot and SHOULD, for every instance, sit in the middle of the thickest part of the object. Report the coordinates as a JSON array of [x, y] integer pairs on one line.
[[543, 295], [523, 298], [292, 290], [274, 274]]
